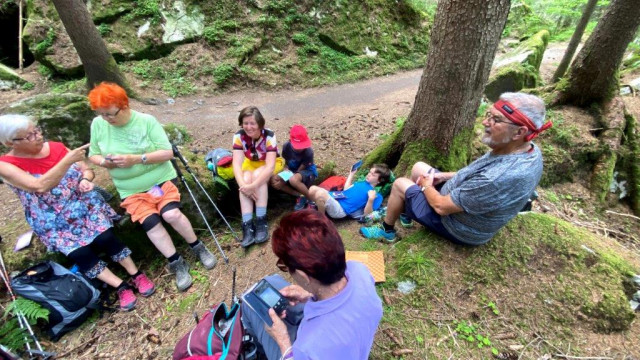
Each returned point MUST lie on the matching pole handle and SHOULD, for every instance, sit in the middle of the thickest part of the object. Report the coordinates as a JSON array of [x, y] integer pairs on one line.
[[177, 154], [175, 166]]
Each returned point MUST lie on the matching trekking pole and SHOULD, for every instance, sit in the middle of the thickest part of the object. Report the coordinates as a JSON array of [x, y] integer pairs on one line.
[[233, 287], [177, 154], [204, 218], [22, 320]]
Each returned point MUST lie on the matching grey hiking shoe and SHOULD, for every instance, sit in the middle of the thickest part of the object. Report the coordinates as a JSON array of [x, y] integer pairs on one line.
[[181, 269], [247, 234], [262, 229], [207, 259]]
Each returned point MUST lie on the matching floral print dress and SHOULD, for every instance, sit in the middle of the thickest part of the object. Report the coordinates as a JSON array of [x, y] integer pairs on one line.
[[64, 218]]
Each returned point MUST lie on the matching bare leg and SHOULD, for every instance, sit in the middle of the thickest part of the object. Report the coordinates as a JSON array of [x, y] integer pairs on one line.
[[320, 196], [297, 184], [181, 224], [262, 191], [419, 169], [161, 240], [128, 264], [246, 203], [395, 205], [109, 278], [277, 183]]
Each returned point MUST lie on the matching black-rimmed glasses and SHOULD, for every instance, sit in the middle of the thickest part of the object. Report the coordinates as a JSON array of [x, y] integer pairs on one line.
[[31, 136], [493, 119], [110, 116]]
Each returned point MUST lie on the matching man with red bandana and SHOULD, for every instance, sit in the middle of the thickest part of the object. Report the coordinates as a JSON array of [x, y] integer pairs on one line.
[[470, 206]]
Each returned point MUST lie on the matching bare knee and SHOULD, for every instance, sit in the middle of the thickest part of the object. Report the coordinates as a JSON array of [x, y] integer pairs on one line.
[[248, 177], [276, 182], [400, 186], [419, 169], [296, 179], [172, 215]]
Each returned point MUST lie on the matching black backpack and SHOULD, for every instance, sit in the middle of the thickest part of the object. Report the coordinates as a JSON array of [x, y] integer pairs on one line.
[[69, 297]]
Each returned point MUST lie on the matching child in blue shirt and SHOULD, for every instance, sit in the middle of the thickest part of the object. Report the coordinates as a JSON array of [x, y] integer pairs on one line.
[[298, 156], [355, 197]]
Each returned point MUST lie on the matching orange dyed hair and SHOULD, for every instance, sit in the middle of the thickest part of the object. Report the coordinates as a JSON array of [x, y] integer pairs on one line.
[[108, 94]]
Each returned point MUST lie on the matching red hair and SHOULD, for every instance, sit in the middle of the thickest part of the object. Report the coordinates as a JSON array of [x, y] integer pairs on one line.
[[309, 241], [108, 94]]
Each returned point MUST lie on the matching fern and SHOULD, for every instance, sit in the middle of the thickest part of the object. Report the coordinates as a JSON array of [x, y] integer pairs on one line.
[[11, 335], [221, 181], [30, 309]]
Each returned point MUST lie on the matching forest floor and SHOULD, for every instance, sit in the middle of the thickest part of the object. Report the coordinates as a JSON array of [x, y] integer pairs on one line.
[[345, 122]]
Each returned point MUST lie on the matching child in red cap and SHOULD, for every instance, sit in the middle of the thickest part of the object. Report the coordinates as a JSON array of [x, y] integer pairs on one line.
[[298, 155]]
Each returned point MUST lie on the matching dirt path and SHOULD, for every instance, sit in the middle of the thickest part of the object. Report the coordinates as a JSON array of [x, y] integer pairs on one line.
[[344, 121]]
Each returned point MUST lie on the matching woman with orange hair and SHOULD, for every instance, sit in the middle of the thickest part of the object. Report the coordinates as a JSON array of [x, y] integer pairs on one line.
[[135, 149]]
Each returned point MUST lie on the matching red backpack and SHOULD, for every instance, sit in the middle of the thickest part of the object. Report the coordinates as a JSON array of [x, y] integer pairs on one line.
[[333, 183], [208, 342]]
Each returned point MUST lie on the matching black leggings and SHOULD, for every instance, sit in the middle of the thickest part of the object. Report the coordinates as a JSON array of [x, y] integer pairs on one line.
[[87, 258]]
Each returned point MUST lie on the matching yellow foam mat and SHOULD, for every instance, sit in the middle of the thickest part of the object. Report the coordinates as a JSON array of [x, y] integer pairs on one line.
[[372, 259]]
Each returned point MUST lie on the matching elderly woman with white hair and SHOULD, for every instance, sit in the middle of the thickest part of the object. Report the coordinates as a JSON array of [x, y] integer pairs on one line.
[[55, 186]]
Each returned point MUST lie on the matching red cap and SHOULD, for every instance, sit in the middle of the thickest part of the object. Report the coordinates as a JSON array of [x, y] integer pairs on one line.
[[299, 137]]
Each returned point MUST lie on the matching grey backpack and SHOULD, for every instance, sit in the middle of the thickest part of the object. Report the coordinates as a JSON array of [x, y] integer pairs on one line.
[[214, 156], [69, 297]]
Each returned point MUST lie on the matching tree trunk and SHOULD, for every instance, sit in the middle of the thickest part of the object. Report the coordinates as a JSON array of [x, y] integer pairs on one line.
[[575, 40], [99, 65], [464, 40], [593, 76]]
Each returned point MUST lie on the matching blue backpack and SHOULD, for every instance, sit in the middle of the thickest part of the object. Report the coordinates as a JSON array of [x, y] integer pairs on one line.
[[69, 297]]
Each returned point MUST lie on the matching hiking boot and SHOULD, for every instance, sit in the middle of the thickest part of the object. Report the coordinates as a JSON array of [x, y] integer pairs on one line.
[[144, 286], [247, 234], [127, 299], [207, 259], [406, 221], [301, 202], [262, 229], [377, 232], [181, 269]]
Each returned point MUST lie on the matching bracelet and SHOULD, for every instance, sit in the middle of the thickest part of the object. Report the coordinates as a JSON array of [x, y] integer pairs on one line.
[[287, 354], [84, 178]]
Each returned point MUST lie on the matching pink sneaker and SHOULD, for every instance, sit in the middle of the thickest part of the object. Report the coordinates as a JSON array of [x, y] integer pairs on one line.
[[127, 299], [144, 285]]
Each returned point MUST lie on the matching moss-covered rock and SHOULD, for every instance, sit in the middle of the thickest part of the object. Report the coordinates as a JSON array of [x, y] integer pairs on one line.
[[518, 69], [63, 117], [147, 31], [7, 74]]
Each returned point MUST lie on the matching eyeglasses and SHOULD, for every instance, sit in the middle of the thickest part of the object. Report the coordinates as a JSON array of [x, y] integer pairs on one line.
[[493, 119], [31, 136], [106, 115], [280, 265]]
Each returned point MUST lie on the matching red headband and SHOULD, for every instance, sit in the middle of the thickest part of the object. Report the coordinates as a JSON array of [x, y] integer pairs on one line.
[[512, 113]]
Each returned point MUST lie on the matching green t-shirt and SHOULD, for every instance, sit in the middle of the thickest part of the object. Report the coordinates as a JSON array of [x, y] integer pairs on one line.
[[141, 135]]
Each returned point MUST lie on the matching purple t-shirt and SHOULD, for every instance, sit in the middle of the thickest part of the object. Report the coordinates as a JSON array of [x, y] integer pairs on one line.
[[343, 326]]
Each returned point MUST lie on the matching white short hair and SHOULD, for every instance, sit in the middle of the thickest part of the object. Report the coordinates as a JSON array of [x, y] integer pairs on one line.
[[530, 105], [11, 124]]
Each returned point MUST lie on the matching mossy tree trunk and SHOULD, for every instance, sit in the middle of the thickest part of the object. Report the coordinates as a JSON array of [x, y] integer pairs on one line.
[[614, 123], [593, 76], [97, 61], [575, 40], [463, 44]]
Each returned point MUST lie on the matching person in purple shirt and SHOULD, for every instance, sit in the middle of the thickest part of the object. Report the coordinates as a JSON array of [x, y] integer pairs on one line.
[[334, 309]]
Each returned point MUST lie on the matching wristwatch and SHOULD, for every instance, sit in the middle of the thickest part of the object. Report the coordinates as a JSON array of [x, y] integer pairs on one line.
[[144, 158]]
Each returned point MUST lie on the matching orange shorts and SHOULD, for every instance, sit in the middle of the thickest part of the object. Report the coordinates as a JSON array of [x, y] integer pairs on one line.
[[142, 205]]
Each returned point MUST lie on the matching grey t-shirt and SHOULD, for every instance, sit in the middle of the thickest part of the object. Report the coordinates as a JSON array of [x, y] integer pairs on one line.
[[491, 191]]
